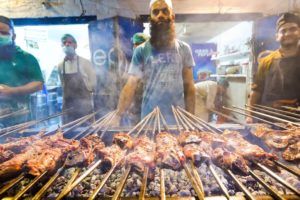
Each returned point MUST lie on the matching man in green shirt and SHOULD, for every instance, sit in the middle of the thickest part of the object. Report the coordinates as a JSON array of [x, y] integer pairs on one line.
[[20, 73]]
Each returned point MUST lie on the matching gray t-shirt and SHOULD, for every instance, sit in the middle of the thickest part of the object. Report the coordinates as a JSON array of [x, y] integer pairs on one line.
[[161, 73]]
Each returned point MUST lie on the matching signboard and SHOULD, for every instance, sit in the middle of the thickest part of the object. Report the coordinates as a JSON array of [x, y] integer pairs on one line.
[[202, 53]]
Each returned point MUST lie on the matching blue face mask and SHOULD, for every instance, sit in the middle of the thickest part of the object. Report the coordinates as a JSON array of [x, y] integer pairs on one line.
[[5, 40], [69, 51]]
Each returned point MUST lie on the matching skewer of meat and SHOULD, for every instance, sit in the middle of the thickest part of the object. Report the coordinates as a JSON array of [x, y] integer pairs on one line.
[[169, 153], [41, 154], [209, 147], [123, 140], [143, 154], [278, 139], [110, 156], [84, 155], [236, 143]]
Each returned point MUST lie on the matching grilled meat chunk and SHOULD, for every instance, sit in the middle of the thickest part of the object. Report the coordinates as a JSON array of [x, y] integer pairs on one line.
[[46, 160], [292, 153], [110, 156], [143, 154], [168, 152], [229, 160], [15, 165], [198, 153], [17, 145], [6, 155], [188, 137], [123, 140], [278, 139], [237, 144], [82, 156]]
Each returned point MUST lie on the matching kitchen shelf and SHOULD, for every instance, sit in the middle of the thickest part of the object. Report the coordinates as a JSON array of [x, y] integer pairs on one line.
[[232, 55], [229, 75]]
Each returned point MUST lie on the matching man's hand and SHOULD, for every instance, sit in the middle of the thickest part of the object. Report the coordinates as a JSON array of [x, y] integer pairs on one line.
[[249, 120], [7, 91], [288, 102]]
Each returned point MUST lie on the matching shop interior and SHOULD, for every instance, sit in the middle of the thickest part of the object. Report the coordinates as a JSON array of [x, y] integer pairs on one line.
[[103, 155]]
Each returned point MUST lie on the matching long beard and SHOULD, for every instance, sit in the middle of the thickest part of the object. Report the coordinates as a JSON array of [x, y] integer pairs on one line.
[[7, 52], [162, 34]]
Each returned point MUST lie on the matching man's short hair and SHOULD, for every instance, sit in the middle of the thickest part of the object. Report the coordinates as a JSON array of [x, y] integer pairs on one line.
[[287, 18], [67, 35], [7, 21], [223, 82]]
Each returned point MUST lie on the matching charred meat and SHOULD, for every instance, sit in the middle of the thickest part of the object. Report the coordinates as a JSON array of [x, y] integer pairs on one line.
[[168, 152], [188, 137], [237, 144], [142, 155], [292, 153], [229, 160], [46, 160], [123, 140], [110, 156]]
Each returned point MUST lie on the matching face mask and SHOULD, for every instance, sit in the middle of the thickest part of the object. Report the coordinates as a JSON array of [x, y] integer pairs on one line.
[[69, 51], [5, 40]]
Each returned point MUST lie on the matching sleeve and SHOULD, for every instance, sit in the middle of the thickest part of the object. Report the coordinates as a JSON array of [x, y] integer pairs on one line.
[[211, 95], [188, 60], [136, 64], [259, 78], [33, 69]]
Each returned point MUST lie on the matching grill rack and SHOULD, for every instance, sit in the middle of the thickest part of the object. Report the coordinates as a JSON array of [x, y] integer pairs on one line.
[[197, 181]]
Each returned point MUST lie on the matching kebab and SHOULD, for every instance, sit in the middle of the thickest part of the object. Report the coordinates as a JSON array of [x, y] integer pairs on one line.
[[41, 155], [85, 154], [209, 147], [169, 153]]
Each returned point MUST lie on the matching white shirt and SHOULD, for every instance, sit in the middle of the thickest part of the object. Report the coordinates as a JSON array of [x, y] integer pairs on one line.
[[206, 92], [86, 70]]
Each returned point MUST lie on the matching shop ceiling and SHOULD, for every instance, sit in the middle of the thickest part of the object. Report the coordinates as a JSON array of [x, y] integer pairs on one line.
[[267, 7], [201, 20]]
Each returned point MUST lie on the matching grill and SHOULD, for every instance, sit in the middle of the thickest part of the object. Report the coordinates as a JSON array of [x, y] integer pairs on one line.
[[206, 181]]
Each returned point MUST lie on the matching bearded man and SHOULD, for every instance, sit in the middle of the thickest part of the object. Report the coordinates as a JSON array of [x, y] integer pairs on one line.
[[165, 66]]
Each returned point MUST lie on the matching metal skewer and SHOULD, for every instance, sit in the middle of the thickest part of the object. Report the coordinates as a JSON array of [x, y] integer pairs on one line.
[[96, 164], [291, 108], [278, 110], [23, 126], [229, 172], [279, 179], [22, 192], [15, 113], [11, 183], [273, 113], [197, 184], [121, 184], [293, 171], [209, 165], [254, 117], [265, 185], [266, 115]]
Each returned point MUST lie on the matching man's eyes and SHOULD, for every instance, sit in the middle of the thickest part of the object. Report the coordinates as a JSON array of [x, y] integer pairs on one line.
[[164, 11], [4, 33]]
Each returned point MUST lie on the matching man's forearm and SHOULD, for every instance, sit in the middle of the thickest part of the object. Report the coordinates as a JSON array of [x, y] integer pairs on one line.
[[254, 98], [28, 88], [126, 96], [189, 98], [189, 89]]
